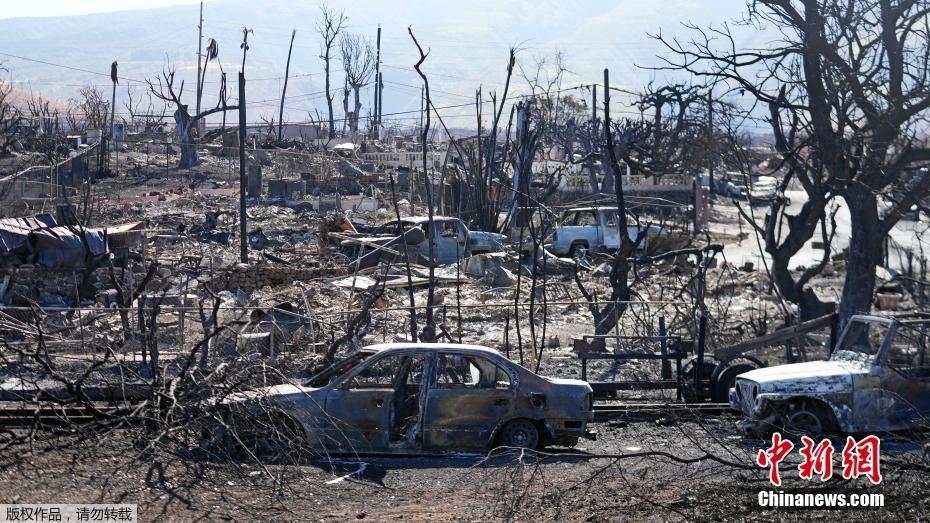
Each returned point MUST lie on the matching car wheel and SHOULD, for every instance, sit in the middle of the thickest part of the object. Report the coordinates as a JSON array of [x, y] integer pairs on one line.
[[726, 380], [707, 369], [575, 250], [808, 420], [520, 433]]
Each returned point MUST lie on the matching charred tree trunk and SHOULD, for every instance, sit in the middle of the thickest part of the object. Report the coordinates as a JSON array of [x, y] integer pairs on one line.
[[287, 71], [184, 124], [345, 107], [865, 252], [429, 331], [358, 108]]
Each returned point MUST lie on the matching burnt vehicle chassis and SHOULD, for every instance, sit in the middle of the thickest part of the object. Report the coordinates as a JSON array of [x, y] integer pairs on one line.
[[410, 399], [877, 379]]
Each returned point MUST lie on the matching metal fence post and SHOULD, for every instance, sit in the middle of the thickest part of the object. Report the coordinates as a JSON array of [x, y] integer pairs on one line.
[[663, 346]]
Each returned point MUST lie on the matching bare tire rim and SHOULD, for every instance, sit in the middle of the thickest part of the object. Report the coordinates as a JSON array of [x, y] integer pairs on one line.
[[521, 434], [803, 422]]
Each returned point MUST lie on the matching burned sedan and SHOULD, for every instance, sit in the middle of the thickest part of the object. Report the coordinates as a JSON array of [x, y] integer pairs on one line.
[[877, 379], [415, 397]]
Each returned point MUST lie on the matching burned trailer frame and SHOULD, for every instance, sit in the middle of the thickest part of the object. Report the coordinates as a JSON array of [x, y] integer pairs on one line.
[[693, 378], [412, 398], [699, 374], [671, 349], [876, 380]]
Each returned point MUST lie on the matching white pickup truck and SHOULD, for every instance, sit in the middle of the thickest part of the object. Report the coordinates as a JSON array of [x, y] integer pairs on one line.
[[595, 229]]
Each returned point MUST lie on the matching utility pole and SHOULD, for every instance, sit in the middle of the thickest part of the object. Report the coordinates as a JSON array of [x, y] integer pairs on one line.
[[589, 164], [115, 79], [243, 179], [593, 103], [287, 70], [199, 56], [380, 100], [377, 121]]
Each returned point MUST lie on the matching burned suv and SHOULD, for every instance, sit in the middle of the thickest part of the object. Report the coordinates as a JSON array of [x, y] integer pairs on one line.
[[411, 398], [877, 379]]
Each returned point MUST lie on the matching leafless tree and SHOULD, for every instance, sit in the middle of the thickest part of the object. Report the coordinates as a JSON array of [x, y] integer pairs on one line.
[[163, 88], [91, 110], [358, 60], [46, 118], [482, 161], [329, 27], [143, 110], [11, 119], [848, 92], [668, 134], [287, 70], [553, 117], [429, 333]]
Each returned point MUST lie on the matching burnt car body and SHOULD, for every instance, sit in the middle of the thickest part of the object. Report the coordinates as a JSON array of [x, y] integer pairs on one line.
[[409, 398], [451, 242], [877, 379]]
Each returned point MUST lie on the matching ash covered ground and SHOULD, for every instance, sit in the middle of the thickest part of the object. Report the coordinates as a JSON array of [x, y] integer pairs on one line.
[[185, 278]]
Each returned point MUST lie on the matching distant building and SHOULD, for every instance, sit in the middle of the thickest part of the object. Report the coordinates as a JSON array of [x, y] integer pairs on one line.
[[301, 131], [395, 159]]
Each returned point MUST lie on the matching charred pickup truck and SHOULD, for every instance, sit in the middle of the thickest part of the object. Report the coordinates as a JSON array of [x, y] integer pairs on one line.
[[408, 398], [877, 379], [452, 240]]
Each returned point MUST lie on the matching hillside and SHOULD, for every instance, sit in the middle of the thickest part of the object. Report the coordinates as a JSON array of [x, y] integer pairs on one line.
[[468, 45]]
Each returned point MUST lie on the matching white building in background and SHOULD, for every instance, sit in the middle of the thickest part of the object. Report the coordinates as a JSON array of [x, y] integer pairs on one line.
[[395, 159]]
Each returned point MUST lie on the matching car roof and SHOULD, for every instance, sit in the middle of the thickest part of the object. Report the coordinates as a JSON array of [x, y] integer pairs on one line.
[[459, 347]]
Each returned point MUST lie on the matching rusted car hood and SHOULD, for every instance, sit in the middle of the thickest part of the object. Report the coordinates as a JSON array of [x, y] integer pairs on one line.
[[811, 376]]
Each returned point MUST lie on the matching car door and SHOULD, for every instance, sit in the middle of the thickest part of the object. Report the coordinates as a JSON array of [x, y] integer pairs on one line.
[[358, 409], [905, 377], [450, 242], [444, 242], [609, 229], [461, 240], [469, 396]]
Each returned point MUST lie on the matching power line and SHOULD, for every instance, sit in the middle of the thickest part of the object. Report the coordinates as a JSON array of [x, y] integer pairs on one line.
[[107, 75]]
